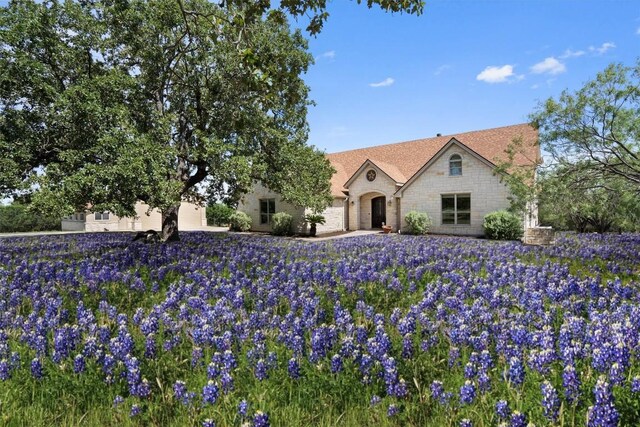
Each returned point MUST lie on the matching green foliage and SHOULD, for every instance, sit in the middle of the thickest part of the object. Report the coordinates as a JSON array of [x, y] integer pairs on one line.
[[239, 221], [18, 218], [124, 101], [314, 219], [418, 222], [502, 225], [596, 127], [281, 224], [577, 199], [219, 214]]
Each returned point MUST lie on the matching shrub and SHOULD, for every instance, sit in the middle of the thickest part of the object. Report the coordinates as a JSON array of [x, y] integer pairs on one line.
[[218, 214], [418, 222], [502, 225], [281, 223], [17, 218], [239, 221]]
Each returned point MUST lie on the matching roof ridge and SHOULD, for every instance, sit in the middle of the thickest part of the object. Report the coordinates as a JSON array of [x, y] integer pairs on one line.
[[429, 138]]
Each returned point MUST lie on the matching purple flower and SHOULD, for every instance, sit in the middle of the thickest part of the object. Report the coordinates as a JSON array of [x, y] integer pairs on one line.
[[392, 410], [603, 413], [571, 384], [182, 394], [550, 401], [465, 422], [260, 419], [375, 399], [208, 423], [502, 409], [467, 392], [78, 364], [135, 410], [210, 393], [336, 363], [36, 368], [635, 384], [518, 419], [293, 368], [243, 407], [261, 370], [118, 400], [516, 371]]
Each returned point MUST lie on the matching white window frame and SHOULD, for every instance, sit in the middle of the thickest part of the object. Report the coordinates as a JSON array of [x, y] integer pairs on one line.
[[268, 214], [455, 170], [456, 212], [101, 216]]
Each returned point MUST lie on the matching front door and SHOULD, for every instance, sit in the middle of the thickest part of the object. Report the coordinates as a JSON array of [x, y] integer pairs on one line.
[[378, 212]]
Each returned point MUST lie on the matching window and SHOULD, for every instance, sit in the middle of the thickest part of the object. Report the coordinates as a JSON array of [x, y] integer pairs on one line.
[[456, 209], [455, 165], [102, 216], [267, 209]]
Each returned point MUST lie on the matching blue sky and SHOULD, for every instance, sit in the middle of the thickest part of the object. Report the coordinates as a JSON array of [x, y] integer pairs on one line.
[[462, 65]]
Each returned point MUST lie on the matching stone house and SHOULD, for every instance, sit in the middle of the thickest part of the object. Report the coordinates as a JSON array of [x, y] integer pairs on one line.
[[451, 178], [190, 217]]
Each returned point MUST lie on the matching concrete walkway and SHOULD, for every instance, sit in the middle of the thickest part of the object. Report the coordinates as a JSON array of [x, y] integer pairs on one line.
[[355, 233]]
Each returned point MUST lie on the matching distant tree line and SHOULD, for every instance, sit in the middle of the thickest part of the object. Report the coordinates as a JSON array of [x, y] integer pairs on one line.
[[17, 218]]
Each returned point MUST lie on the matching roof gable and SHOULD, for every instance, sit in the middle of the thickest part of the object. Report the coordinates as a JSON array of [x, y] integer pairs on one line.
[[389, 170], [436, 157]]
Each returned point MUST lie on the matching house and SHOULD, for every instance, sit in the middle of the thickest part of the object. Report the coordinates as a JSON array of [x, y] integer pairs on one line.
[[190, 217], [451, 178]]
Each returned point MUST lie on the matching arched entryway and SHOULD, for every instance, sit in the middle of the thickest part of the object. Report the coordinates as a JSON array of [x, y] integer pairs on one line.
[[378, 211]]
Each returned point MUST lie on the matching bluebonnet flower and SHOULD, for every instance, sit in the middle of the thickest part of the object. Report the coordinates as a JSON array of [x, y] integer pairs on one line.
[[516, 371], [392, 410], [36, 368], [550, 401], [261, 370], [182, 394], [484, 382], [293, 368], [375, 399], [518, 419], [470, 370], [243, 408], [603, 413], [208, 423], [336, 363], [79, 364], [5, 370], [260, 419], [135, 410], [118, 400], [210, 393], [635, 384], [616, 373], [226, 381], [213, 370], [571, 384], [465, 422], [502, 409], [467, 392]]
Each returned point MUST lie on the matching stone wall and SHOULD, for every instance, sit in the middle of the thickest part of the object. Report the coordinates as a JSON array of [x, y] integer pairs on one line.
[[539, 236], [488, 194], [361, 191]]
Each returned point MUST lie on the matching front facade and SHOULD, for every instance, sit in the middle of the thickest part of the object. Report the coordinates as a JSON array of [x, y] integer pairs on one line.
[[451, 178], [190, 217]]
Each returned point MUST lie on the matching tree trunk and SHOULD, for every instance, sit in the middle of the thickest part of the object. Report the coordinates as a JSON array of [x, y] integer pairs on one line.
[[313, 230], [170, 224]]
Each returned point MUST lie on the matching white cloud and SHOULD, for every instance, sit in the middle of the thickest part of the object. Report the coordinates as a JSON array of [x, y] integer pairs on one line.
[[602, 49], [386, 82], [441, 69], [572, 53], [493, 74], [330, 55], [549, 66]]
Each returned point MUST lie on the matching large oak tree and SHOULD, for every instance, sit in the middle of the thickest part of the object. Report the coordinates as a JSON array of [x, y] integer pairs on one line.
[[105, 103]]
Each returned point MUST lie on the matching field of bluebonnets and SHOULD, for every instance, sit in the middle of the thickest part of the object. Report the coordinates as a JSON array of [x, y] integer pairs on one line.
[[382, 330]]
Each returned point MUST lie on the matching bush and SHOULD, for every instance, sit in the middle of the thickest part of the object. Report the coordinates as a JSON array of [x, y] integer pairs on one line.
[[418, 222], [17, 218], [219, 214], [281, 224], [502, 225], [239, 221]]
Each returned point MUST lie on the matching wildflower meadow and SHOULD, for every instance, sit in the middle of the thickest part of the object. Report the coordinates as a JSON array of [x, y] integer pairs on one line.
[[230, 330]]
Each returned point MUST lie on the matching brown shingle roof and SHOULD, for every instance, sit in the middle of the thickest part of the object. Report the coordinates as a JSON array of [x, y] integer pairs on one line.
[[402, 160]]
